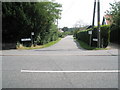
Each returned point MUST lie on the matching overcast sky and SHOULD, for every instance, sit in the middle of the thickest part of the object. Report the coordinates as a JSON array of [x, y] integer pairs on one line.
[[80, 10]]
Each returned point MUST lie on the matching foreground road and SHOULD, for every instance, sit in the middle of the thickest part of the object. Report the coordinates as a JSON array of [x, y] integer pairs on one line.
[[63, 65]]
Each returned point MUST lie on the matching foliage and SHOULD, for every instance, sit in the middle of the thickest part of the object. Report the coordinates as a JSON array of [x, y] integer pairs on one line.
[[63, 34], [88, 47], [20, 46], [65, 29], [85, 37], [114, 34], [22, 18], [115, 27]]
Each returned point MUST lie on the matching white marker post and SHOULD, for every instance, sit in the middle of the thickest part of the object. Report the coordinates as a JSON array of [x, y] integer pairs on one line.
[[90, 32], [32, 39]]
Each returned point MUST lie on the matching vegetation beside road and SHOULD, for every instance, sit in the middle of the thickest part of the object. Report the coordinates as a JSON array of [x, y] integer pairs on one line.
[[88, 47], [38, 22], [35, 20], [84, 36], [114, 12], [38, 46], [109, 33]]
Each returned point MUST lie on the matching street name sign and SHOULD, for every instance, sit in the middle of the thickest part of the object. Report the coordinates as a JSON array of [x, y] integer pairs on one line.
[[26, 39], [95, 39]]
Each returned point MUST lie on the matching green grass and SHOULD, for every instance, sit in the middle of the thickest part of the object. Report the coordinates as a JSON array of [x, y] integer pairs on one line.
[[87, 47], [21, 47], [51, 43]]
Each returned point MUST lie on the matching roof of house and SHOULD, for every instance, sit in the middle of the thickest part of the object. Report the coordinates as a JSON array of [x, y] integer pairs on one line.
[[108, 19]]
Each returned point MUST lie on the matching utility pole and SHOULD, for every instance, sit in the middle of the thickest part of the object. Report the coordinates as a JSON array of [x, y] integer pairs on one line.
[[94, 14], [93, 22], [99, 40]]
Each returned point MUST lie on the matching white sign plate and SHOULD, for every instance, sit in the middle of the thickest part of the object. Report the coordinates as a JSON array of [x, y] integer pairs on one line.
[[95, 39], [32, 33], [26, 39], [89, 32]]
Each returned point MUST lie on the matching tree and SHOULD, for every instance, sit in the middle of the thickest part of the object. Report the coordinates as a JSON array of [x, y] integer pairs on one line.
[[22, 18], [115, 12], [115, 27], [65, 29]]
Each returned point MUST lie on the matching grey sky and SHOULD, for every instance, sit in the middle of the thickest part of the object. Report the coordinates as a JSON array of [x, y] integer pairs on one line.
[[77, 10], [80, 10]]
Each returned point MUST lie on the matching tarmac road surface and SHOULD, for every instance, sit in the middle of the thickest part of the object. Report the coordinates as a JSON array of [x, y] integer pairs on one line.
[[63, 65]]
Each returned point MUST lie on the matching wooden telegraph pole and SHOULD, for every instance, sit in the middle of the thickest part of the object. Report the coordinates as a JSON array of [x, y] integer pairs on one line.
[[99, 36], [93, 22], [94, 14], [98, 22]]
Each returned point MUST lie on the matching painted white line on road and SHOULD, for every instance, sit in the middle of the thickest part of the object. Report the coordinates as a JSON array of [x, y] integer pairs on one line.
[[89, 71], [62, 55]]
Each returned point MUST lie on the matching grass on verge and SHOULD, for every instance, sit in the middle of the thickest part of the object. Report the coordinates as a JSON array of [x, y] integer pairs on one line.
[[39, 46], [87, 47]]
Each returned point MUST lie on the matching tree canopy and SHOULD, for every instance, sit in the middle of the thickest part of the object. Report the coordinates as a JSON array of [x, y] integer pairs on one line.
[[115, 27], [115, 12], [22, 18]]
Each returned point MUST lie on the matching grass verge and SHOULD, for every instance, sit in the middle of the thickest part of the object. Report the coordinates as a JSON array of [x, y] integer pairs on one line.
[[21, 47], [87, 47]]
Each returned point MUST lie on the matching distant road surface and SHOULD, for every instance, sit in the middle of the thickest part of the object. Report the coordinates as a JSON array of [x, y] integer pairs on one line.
[[63, 65]]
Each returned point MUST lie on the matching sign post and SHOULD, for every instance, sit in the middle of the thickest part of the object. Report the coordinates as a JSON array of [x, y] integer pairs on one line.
[[32, 40], [90, 32]]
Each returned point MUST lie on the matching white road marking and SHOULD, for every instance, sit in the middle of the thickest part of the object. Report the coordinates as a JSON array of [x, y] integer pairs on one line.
[[85, 71], [61, 55]]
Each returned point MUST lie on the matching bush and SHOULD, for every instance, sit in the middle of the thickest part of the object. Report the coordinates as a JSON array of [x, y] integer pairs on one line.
[[105, 35], [85, 37], [114, 32]]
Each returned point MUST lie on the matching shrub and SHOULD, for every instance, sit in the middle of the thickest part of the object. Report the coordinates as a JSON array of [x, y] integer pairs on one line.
[[85, 37], [114, 34], [105, 35]]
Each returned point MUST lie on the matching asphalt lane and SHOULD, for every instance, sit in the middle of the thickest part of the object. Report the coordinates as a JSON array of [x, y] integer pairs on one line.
[[66, 55]]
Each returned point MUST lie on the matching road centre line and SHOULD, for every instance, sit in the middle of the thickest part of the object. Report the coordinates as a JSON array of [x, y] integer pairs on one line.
[[84, 71]]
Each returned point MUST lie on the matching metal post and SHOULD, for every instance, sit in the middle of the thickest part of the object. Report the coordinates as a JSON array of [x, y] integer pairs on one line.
[[99, 44], [90, 39], [32, 39]]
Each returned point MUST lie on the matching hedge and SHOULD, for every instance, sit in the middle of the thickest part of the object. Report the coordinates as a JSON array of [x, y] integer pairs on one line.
[[114, 34], [85, 37]]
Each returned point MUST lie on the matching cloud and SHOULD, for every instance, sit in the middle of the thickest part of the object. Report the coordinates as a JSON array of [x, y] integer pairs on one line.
[[74, 10]]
